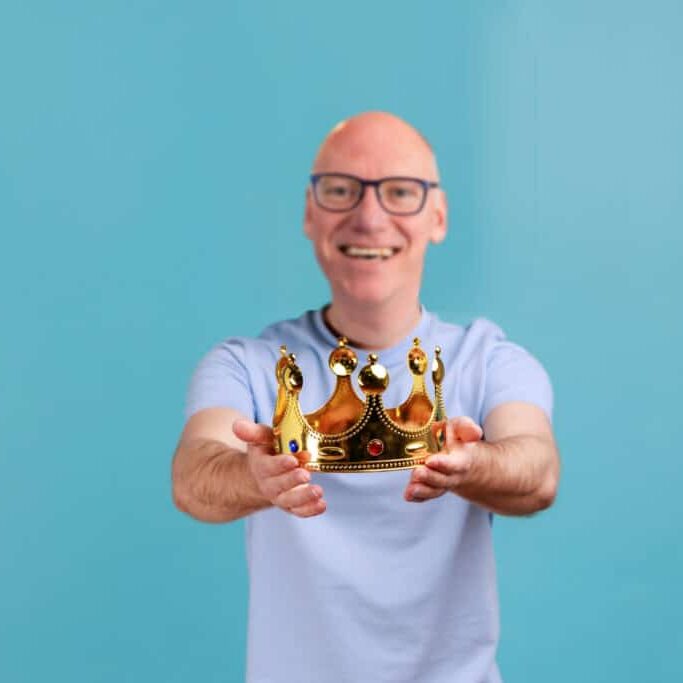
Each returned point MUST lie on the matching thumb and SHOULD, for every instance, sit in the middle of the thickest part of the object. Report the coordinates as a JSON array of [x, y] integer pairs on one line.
[[466, 430], [253, 433]]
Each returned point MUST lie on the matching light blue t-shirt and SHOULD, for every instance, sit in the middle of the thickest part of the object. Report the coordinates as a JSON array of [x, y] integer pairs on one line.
[[376, 588]]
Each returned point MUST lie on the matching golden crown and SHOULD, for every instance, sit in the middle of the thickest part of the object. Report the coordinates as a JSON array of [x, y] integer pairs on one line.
[[350, 435]]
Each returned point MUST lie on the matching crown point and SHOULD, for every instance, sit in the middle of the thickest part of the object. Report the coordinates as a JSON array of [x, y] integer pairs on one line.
[[438, 350], [292, 378], [373, 378], [416, 341], [438, 370], [343, 361], [283, 350], [343, 341], [417, 361], [292, 357]]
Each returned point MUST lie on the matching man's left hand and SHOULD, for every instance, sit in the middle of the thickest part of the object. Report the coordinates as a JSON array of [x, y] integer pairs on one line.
[[445, 470]]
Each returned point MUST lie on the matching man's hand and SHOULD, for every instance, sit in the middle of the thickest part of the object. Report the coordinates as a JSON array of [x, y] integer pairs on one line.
[[445, 470], [279, 478]]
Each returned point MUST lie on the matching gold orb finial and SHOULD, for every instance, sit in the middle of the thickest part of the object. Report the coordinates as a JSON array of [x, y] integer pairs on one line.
[[342, 360], [292, 378], [417, 359], [438, 370], [373, 378]]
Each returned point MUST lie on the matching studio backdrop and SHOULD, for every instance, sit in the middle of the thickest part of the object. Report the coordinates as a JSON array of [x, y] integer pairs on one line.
[[153, 163]]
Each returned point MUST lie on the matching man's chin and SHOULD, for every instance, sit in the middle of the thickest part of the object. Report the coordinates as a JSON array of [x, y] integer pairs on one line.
[[367, 293]]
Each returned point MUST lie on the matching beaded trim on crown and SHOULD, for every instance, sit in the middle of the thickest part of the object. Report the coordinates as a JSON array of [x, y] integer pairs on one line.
[[350, 435]]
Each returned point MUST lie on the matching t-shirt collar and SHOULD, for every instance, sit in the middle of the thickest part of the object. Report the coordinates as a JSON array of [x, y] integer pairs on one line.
[[388, 356]]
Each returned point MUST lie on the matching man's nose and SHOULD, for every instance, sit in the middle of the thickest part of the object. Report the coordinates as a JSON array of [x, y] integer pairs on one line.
[[369, 213]]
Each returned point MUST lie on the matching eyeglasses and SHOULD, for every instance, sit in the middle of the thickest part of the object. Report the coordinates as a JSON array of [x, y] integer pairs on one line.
[[396, 195]]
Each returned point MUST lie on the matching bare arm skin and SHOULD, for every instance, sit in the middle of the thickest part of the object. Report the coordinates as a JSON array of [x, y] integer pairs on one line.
[[224, 469], [514, 472]]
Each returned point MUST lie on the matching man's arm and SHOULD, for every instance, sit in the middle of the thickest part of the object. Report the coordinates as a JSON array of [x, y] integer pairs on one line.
[[211, 480], [224, 469], [514, 472]]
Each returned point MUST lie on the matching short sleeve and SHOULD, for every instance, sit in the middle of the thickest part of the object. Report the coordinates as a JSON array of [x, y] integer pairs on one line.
[[221, 380], [513, 374]]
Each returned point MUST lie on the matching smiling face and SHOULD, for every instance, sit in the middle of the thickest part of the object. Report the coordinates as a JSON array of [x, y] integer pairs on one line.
[[369, 256]]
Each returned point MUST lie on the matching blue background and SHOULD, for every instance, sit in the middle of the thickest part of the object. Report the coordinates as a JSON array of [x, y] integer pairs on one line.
[[153, 160]]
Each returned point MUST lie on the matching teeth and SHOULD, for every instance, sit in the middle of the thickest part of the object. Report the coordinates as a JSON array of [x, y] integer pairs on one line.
[[369, 252]]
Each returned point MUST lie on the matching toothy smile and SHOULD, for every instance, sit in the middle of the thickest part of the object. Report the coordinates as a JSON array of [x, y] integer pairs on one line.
[[368, 253]]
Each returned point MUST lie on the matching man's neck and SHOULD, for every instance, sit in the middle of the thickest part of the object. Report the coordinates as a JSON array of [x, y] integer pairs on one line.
[[372, 327]]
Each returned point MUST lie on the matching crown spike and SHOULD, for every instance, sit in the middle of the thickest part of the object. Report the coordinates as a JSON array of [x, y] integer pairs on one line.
[[417, 409], [292, 379], [285, 369], [417, 360], [343, 360], [438, 370], [373, 378]]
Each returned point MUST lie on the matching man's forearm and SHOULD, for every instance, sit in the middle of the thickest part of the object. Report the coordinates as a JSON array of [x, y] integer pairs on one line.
[[211, 482], [514, 476]]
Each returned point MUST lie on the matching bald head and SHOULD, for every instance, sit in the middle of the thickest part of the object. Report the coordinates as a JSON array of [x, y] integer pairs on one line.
[[376, 144]]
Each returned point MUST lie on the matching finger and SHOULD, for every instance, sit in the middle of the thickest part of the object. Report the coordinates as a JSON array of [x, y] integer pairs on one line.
[[262, 450], [455, 462], [417, 493], [274, 486], [299, 496], [265, 465], [466, 429], [430, 477], [250, 432], [310, 509], [449, 435]]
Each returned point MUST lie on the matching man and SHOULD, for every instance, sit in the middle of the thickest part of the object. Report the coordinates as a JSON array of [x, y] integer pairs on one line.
[[383, 576]]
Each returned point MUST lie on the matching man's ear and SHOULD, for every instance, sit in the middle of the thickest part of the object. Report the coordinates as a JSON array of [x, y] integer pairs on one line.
[[440, 213], [308, 221]]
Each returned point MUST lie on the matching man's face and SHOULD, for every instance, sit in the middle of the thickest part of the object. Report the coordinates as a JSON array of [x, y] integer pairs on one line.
[[368, 255]]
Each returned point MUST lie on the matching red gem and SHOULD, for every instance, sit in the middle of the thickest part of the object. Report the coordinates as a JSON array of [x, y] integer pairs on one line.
[[375, 447]]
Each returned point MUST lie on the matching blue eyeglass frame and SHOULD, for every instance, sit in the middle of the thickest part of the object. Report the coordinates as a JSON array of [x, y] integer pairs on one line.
[[426, 186]]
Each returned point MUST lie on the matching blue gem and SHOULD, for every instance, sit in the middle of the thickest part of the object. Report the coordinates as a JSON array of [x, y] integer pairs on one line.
[[293, 446]]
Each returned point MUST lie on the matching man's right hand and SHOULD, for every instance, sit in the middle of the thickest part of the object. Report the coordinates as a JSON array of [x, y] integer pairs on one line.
[[279, 478]]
